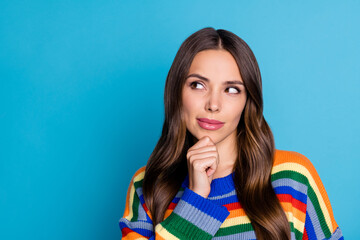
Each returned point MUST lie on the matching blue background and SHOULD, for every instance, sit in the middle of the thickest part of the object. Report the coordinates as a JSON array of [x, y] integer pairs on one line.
[[81, 100]]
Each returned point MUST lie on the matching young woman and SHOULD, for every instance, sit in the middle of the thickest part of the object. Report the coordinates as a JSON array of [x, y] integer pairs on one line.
[[215, 173]]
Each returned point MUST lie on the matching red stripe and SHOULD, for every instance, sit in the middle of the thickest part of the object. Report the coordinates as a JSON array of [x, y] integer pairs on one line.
[[172, 206], [294, 202], [305, 236], [145, 208], [282, 198], [232, 206], [125, 231]]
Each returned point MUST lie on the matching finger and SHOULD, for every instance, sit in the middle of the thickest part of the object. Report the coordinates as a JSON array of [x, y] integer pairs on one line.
[[202, 155], [210, 171], [200, 150], [204, 141], [203, 165]]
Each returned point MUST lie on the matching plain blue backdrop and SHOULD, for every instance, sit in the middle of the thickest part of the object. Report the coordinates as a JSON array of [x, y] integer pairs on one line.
[[81, 100]]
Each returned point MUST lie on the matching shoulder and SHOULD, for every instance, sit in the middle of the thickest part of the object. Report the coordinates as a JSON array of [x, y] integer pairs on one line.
[[135, 187], [294, 165], [138, 176], [296, 170], [290, 157], [134, 197]]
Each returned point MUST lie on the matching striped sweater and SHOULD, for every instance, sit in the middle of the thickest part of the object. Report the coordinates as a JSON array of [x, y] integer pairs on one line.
[[220, 215]]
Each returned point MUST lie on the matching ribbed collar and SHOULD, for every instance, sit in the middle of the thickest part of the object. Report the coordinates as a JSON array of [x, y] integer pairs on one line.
[[219, 186]]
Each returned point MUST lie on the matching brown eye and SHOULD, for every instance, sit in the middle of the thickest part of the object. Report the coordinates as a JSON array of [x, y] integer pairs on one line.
[[195, 84]]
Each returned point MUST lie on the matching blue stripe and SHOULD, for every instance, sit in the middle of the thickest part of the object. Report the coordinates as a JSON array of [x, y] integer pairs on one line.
[[198, 218], [309, 227], [142, 200], [289, 190], [315, 222], [148, 219], [175, 200], [207, 206], [143, 232]]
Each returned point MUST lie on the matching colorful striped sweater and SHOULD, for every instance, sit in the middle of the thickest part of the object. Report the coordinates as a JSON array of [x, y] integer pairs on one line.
[[220, 215]]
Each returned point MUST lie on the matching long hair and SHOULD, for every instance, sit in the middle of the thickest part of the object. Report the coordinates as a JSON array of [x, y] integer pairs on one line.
[[255, 142]]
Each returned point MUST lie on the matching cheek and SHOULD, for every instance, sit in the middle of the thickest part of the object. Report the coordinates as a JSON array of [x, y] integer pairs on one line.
[[190, 104], [188, 109], [236, 118], [185, 105], [239, 106]]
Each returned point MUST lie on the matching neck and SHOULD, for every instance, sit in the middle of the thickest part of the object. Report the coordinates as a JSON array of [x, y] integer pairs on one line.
[[227, 150]]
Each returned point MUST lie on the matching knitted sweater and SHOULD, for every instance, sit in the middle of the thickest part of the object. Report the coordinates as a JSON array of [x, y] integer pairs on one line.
[[220, 215]]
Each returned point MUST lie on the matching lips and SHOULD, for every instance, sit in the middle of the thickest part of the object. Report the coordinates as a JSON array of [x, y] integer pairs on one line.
[[211, 121], [209, 124]]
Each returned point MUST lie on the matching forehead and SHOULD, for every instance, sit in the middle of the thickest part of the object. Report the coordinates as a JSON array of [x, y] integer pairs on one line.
[[216, 64]]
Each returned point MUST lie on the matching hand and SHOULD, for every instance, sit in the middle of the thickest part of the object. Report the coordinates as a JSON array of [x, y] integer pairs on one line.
[[202, 161]]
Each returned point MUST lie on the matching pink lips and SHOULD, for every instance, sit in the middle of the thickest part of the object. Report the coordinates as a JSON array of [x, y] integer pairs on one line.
[[209, 124]]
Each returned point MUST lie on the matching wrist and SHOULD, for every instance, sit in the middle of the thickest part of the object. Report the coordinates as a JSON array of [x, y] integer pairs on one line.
[[200, 192]]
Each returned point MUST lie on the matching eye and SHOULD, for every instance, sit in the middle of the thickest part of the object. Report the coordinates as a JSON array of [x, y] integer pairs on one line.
[[234, 90], [196, 84]]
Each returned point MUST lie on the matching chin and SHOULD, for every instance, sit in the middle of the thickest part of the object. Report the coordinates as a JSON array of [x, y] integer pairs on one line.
[[213, 138]]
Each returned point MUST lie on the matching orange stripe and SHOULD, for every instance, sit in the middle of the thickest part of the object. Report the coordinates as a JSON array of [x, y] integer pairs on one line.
[[168, 212], [157, 236], [296, 212], [282, 156], [288, 207], [133, 235], [296, 203], [237, 213], [127, 206]]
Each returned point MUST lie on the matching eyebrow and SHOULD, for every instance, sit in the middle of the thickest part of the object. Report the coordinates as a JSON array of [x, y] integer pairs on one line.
[[207, 80]]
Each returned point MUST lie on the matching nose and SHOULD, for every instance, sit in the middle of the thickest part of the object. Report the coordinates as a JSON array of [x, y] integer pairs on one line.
[[213, 103]]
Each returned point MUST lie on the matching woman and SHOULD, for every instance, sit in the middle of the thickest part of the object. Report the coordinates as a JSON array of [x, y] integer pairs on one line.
[[214, 172]]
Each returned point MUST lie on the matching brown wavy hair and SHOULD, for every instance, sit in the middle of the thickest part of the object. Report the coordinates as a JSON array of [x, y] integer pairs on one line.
[[167, 166]]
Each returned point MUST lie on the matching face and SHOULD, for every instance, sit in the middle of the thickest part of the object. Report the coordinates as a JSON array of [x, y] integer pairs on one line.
[[213, 90]]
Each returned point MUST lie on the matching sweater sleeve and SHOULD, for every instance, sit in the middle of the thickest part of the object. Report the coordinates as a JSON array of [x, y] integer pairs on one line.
[[303, 197], [319, 220], [194, 217]]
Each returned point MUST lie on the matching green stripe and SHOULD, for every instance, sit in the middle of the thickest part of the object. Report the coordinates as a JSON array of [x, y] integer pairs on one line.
[[138, 184], [290, 174], [183, 229], [135, 206], [298, 234], [319, 213], [248, 227], [310, 192], [234, 229], [292, 228]]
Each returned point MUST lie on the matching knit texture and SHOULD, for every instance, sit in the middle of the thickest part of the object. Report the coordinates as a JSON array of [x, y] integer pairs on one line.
[[220, 215]]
